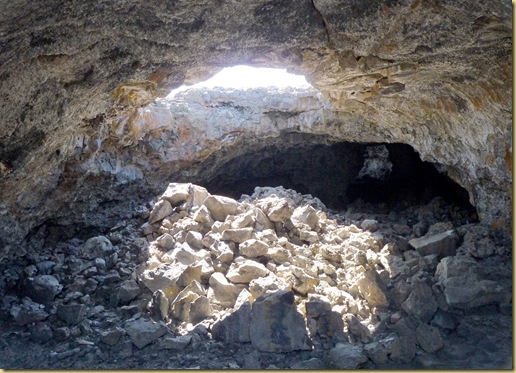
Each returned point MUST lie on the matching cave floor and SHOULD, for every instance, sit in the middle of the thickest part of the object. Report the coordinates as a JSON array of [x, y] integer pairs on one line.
[[482, 339]]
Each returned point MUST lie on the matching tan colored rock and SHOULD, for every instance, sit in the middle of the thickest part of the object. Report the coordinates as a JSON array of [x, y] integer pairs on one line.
[[176, 193], [372, 289], [245, 271], [237, 235], [267, 284], [279, 254], [220, 207], [305, 215], [244, 220], [279, 211], [166, 241], [308, 236], [161, 210], [194, 239], [202, 216], [222, 292], [184, 254], [253, 248]]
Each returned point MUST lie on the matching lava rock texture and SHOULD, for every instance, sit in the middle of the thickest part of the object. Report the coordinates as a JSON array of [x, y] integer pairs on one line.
[[74, 76]]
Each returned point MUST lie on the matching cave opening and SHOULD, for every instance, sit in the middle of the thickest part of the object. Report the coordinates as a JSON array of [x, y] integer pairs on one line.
[[364, 176], [248, 77]]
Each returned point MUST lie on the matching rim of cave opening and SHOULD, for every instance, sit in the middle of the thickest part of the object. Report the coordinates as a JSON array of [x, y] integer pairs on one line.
[[370, 177]]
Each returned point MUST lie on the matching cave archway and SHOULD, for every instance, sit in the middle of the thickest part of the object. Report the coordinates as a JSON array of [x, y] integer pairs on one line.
[[340, 174]]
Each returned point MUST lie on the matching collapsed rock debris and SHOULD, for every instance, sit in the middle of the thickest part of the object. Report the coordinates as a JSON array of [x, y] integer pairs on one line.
[[273, 280]]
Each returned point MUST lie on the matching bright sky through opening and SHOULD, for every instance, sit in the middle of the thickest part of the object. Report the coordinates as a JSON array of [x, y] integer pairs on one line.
[[242, 77]]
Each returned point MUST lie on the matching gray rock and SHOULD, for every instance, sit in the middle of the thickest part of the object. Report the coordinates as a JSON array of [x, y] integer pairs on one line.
[[41, 333], [111, 337], [421, 302], [276, 325], [175, 343], [457, 266], [346, 356], [313, 363], [42, 288], [234, 328], [445, 320], [27, 312], [126, 292], [393, 347], [429, 338], [443, 244], [314, 307], [369, 225], [467, 292], [45, 267], [161, 210], [220, 207], [357, 329], [330, 324], [72, 314], [143, 332], [96, 247], [62, 334]]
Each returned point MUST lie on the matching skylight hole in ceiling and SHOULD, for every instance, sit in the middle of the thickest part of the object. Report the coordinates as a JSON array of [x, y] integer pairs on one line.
[[247, 77]]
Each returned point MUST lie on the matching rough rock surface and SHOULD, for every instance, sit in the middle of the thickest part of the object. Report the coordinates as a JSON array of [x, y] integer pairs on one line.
[[76, 78]]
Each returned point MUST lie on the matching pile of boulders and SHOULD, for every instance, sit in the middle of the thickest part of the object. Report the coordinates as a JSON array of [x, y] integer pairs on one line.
[[275, 270]]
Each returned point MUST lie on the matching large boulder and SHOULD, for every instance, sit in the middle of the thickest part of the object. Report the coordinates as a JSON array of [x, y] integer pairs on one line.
[[443, 244], [42, 288], [421, 303], [220, 207], [143, 332], [276, 325]]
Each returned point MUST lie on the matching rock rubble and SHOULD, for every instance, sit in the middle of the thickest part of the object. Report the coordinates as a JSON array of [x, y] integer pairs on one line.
[[274, 273]]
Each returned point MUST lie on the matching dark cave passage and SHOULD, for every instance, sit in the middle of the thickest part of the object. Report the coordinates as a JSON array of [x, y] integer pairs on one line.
[[387, 176]]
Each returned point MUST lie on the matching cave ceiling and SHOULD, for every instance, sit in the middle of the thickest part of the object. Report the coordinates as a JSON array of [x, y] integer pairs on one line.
[[436, 75]]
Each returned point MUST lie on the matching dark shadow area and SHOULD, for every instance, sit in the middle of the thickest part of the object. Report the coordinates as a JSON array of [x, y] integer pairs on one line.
[[335, 174]]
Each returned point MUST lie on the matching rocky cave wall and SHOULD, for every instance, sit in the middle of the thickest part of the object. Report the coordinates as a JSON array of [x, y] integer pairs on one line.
[[75, 77]]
